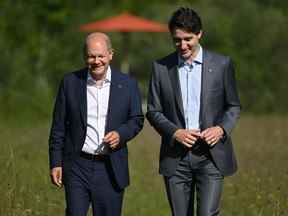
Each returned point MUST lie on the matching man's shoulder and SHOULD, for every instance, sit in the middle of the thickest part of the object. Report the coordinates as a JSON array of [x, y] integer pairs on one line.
[[170, 59], [74, 78], [215, 56], [77, 74], [120, 76]]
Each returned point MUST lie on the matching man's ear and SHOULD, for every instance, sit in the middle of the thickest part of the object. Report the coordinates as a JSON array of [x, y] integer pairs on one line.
[[111, 53], [199, 35]]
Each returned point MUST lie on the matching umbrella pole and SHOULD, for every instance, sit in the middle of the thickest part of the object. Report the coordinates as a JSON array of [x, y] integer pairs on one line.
[[125, 52]]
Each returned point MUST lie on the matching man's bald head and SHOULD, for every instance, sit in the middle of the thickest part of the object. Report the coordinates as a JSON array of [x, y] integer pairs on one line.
[[97, 37]]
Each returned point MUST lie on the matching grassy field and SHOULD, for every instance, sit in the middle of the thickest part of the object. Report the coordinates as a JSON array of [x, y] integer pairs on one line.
[[258, 189]]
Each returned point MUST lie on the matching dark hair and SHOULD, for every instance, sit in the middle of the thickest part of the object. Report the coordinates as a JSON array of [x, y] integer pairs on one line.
[[186, 19]]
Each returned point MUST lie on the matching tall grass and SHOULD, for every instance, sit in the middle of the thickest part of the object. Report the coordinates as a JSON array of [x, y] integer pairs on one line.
[[258, 189]]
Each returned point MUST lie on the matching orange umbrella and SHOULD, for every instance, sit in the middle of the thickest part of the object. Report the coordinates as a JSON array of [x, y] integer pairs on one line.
[[125, 23]]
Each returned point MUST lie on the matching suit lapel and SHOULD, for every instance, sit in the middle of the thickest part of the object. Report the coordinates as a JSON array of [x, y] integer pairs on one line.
[[174, 78], [206, 73], [83, 97], [113, 98]]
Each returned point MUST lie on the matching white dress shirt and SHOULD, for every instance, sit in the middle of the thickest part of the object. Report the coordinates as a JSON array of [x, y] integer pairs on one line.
[[97, 109]]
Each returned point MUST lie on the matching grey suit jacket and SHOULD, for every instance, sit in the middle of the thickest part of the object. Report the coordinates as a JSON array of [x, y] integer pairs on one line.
[[219, 105]]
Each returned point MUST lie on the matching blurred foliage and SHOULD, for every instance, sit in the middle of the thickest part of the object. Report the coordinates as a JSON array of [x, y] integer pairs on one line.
[[40, 41]]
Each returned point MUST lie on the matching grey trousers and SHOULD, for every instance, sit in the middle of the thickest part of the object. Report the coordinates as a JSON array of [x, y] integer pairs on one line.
[[194, 174]]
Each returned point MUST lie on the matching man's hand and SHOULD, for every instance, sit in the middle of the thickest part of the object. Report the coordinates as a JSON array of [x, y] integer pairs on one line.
[[112, 139], [56, 176], [187, 137], [212, 135]]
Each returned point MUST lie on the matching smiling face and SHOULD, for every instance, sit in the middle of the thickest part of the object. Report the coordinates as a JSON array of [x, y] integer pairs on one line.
[[186, 43], [98, 54]]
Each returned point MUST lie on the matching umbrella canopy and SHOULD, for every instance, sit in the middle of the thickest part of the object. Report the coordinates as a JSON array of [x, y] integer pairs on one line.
[[125, 22]]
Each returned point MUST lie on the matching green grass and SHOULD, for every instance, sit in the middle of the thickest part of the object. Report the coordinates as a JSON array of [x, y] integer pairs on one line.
[[258, 189]]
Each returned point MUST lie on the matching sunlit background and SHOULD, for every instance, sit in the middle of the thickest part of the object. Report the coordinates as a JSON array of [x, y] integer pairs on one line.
[[40, 41]]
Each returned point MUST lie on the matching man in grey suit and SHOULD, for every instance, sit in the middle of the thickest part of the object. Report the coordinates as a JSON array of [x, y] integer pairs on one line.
[[194, 105]]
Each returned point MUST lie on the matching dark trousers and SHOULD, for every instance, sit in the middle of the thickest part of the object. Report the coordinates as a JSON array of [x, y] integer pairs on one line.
[[194, 174], [91, 182]]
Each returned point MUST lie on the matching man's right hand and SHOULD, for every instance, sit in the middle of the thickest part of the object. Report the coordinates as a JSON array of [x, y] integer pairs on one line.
[[187, 137], [56, 176]]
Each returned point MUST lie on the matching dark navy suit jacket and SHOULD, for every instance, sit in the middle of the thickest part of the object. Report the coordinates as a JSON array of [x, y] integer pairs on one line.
[[69, 123]]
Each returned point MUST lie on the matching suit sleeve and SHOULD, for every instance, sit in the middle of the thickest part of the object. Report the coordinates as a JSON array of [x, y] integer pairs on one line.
[[135, 121], [154, 106], [232, 102], [57, 132]]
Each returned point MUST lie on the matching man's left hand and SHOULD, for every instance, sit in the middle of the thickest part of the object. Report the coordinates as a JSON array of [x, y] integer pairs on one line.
[[212, 135], [112, 139]]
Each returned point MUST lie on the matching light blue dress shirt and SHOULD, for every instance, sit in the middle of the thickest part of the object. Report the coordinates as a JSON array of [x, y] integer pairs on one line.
[[190, 83]]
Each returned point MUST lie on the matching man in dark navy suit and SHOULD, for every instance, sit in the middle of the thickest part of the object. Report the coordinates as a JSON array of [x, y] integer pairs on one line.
[[97, 111]]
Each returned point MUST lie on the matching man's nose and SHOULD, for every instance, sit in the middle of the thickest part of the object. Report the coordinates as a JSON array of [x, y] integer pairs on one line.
[[96, 60], [183, 45]]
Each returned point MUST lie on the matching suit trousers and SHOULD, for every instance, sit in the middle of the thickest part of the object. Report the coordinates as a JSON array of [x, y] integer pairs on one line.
[[91, 182], [195, 173]]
